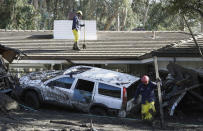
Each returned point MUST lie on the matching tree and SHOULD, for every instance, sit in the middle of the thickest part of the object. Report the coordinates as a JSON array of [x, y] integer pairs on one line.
[[189, 7], [24, 16], [141, 7], [160, 19], [18, 15], [5, 13], [150, 14]]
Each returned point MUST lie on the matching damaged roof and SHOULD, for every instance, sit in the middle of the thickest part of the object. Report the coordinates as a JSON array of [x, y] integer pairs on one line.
[[111, 45]]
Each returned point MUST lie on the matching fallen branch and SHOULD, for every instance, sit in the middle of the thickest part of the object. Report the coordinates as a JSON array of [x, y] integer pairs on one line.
[[63, 122]]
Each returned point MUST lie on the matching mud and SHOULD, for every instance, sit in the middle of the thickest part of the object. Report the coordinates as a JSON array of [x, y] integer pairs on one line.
[[58, 119]]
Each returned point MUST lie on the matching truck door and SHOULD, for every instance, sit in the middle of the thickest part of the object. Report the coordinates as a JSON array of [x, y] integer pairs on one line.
[[83, 94]]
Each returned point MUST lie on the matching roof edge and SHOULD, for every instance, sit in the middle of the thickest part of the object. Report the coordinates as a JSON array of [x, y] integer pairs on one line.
[[175, 44]]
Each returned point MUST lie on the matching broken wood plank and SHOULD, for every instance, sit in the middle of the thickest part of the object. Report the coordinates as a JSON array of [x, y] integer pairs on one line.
[[63, 122], [187, 89], [175, 104]]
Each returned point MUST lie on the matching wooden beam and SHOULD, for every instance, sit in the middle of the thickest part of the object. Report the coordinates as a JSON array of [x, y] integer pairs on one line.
[[159, 91]]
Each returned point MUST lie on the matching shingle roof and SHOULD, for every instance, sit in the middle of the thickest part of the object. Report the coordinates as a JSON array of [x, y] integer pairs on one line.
[[183, 48], [111, 45]]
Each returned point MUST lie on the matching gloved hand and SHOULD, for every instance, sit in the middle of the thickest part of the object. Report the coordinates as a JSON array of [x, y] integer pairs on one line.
[[158, 79], [82, 25]]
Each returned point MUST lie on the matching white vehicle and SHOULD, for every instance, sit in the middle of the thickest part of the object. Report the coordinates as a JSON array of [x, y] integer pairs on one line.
[[89, 89]]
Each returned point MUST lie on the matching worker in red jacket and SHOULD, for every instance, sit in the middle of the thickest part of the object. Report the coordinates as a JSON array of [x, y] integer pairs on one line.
[[146, 90], [76, 29]]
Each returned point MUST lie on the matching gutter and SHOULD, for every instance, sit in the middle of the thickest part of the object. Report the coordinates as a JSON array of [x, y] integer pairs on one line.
[[143, 61]]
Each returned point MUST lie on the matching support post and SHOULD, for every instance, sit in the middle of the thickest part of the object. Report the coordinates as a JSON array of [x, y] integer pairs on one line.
[[61, 66], [159, 91], [52, 66]]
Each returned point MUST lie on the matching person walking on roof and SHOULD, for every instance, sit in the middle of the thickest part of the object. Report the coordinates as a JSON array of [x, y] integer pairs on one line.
[[146, 90], [76, 29]]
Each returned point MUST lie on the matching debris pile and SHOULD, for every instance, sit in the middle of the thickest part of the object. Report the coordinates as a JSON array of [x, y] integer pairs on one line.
[[4, 81], [182, 85], [7, 81]]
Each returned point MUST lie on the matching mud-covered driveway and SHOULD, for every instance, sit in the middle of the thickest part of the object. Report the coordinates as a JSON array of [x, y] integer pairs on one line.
[[62, 119]]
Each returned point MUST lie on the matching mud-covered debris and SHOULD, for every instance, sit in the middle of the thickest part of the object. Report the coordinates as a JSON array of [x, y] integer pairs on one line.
[[180, 82], [63, 122], [7, 103], [7, 81]]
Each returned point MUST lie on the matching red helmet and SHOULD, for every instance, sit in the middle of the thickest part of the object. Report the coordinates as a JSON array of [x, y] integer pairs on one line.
[[145, 79]]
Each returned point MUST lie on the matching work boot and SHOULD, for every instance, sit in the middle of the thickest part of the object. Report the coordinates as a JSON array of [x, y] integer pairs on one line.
[[77, 46], [74, 46], [84, 46]]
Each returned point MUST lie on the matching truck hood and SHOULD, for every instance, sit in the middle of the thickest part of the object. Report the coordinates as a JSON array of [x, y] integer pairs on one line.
[[38, 78]]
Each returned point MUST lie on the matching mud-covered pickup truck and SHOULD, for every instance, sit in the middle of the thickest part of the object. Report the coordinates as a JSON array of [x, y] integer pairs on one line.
[[89, 89]]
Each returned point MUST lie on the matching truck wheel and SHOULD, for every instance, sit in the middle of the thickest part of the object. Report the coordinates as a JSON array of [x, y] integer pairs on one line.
[[98, 111], [32, 100]]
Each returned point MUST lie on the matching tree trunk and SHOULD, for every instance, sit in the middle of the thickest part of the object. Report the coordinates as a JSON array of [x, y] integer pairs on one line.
[[1, 2], [55, 9], [110, 20], [201, 24], [182, 23], [13, 16], [118, 22], [35, 3], [146, 13], [124, 18], [44, 4]]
